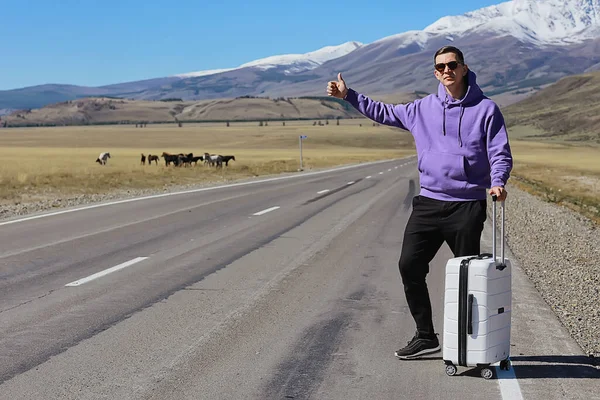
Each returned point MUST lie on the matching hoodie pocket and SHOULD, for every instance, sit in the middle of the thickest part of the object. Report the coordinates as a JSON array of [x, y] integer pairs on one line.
[[442, 171]]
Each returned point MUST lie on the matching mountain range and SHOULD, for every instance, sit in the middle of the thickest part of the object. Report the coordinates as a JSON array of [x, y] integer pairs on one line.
[[515, 48]]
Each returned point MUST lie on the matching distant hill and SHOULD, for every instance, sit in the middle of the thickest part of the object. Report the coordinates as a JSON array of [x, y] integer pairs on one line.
[[105, 110], [566, 110]]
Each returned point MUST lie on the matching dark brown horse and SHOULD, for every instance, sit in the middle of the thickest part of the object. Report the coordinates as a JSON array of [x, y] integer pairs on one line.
[[152, 157], [170, 158], [226, 159]]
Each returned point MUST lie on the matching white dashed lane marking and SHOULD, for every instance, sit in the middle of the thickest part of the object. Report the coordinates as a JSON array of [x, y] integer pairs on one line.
[[323, 191], [106, 272], [266, 211]]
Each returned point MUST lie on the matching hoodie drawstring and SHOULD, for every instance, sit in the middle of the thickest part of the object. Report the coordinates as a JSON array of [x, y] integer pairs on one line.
[[444, 118], [444, 121], [462, 111]]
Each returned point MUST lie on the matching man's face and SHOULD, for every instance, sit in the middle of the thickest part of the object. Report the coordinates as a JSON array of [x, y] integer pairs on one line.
[[443, 71]]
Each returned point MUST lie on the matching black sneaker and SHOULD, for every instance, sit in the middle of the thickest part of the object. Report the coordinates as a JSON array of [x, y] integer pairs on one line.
[[417, 347]]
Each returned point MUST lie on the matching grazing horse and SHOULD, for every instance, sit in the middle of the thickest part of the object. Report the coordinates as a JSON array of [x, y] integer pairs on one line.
[[196, 159], [218, 160], [143, 160], [213, 160], [152, 157], [170, 158], [102, 158], [185, 159], [226, 159]]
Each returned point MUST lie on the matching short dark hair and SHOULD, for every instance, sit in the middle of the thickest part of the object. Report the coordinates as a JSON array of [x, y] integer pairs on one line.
[[450, 49]]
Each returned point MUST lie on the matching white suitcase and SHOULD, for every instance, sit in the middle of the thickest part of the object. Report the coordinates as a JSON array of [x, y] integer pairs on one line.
[[477, 310]]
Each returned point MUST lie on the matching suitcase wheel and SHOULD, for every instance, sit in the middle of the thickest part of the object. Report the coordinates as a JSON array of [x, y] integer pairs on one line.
[[505, 365], [487, 373], [450, 370]]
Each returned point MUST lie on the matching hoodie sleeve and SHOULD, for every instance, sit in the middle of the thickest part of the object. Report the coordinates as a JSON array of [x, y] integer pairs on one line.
[[498, 148], [400, 115]]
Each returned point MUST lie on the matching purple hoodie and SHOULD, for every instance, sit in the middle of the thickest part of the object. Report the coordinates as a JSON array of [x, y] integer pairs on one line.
[[462, 145]]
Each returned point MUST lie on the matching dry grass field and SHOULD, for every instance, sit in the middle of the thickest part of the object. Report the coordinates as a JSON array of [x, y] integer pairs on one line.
[[46, 163], [562, 172], [566, 110]]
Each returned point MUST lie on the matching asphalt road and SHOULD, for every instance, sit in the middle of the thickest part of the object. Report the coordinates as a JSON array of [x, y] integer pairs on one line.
[[281, 288]]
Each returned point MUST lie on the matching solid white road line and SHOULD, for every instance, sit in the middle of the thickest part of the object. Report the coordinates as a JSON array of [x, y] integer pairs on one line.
[[266, 211], [350, 183], [509, 386], [156, 196], [106, 271], [323, 191]]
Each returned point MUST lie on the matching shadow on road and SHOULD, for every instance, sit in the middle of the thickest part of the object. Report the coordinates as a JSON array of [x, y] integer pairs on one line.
[[564, 367]]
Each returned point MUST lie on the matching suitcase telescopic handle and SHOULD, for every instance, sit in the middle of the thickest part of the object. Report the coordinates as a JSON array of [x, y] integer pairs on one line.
[[502, 232]]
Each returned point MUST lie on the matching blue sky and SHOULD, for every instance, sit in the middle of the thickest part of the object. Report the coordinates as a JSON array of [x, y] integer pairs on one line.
[[99, 42]]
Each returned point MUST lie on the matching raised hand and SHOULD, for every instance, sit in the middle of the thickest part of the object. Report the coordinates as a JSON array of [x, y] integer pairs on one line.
[[337, 89]]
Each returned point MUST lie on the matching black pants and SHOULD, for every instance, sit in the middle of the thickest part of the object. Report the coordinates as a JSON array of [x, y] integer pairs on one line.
[[458, 223]]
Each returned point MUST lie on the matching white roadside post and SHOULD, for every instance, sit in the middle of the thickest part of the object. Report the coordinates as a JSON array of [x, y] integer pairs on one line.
[[300, 142]]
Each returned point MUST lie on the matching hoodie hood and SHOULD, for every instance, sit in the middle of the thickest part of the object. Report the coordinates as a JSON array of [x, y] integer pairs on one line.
[[473, 95]]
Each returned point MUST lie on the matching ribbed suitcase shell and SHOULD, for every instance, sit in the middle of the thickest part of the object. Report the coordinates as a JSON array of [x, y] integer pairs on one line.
[[490, 286]]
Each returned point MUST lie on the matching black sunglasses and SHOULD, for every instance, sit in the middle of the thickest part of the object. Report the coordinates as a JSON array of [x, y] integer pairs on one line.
[[441, 67]]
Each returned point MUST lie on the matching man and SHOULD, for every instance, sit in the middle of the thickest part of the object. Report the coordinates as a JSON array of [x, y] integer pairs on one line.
[[462, 149]]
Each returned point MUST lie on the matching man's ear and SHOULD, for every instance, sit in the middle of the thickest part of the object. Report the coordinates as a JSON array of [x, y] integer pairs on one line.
[[466, 70]]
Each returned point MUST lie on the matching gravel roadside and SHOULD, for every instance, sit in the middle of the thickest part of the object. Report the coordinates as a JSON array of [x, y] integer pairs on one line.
[[558, 249]]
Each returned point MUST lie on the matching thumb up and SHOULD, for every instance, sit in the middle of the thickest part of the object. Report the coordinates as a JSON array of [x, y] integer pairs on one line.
[[337, 89]]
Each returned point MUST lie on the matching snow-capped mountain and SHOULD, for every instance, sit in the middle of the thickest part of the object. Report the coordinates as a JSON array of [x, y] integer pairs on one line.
[[294, 63], [543, 22], [204, 72], [513, 46]]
